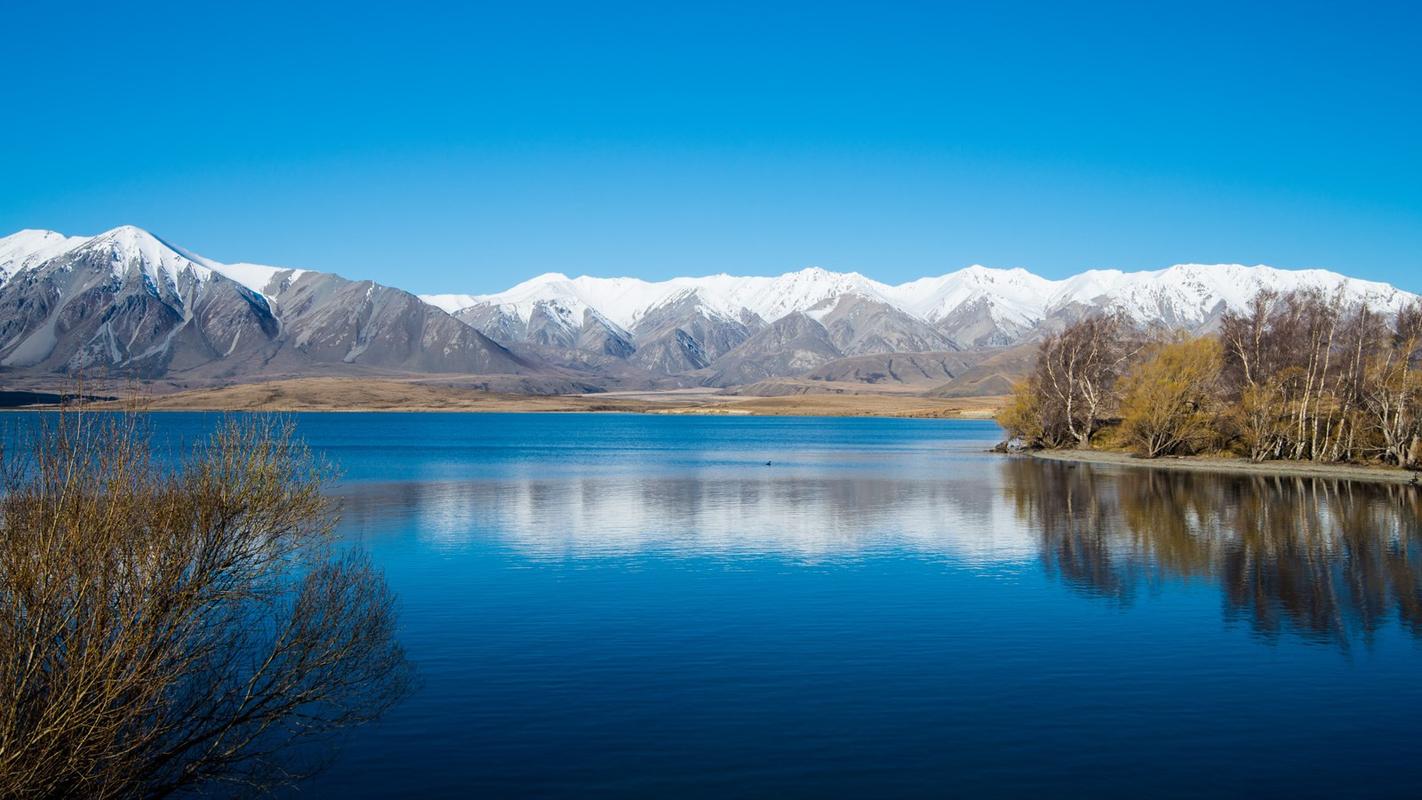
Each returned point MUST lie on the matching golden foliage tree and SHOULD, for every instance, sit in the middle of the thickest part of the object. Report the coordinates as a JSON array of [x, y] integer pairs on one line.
[[1258, 421], [164, 626], [1168, 400], [1029, 420]]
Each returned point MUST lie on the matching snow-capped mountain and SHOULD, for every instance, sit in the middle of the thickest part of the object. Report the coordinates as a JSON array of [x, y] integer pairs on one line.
[[27, 248], [127, 302], [972, 307], [123, 246], [625, 301]]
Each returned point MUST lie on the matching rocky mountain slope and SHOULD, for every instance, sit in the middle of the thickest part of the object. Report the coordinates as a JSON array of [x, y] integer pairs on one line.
[[723, 330], [125, 302]]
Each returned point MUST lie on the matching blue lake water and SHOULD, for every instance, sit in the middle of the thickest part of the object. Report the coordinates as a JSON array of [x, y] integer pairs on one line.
[[608, 605]]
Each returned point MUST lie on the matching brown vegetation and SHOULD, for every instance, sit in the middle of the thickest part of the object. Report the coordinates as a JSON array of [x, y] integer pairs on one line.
[[1299, 376], [1169, 399], [168, 625], [372, 394], [807, 398]]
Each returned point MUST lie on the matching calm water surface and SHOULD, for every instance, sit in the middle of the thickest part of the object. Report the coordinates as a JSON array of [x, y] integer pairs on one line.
[[640, 605]]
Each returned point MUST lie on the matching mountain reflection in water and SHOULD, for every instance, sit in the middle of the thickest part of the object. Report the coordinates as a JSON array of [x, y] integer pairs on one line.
[[1330, 561]]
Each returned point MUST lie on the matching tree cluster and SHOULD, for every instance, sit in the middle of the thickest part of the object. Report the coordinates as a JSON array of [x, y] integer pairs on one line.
[[1300, 375], [1072, 392]]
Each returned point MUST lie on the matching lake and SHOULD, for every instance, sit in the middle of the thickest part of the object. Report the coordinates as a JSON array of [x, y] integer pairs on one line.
[[609, 605]]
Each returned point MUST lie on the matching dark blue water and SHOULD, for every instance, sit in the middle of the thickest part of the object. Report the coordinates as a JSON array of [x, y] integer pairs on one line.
[[604, 605]]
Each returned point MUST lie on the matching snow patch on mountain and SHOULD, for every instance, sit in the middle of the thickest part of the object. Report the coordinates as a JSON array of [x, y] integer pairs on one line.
[[1015, 296], [256, 277]]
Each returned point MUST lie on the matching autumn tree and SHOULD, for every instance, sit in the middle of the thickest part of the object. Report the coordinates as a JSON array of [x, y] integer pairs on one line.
[[168, 626], [1027, 419], [1169, 399]]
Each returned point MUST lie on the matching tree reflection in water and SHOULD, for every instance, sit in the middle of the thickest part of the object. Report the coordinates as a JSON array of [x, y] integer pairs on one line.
[[1329, 560]]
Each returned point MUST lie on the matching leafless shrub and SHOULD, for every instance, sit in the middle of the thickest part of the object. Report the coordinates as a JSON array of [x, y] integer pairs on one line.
[[163, 627]]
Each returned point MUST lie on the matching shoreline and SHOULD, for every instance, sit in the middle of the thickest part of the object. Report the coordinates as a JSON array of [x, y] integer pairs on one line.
[[703, 411], [1229, 466]]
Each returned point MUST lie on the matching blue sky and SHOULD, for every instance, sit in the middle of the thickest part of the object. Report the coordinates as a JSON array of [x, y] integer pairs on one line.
[[464, 147]]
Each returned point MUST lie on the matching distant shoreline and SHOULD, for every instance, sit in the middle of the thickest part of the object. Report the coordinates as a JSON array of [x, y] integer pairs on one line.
[[329, 394], [1279, 469]]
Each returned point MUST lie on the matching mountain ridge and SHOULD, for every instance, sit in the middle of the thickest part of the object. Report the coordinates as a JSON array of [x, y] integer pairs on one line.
[[130, 301], [126, 302], [974, 306]]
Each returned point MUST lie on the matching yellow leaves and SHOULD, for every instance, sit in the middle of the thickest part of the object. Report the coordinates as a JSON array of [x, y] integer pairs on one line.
[[1021, 417], [1169, 398]]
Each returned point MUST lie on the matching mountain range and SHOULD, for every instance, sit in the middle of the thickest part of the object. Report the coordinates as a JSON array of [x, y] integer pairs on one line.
[[128, 303]]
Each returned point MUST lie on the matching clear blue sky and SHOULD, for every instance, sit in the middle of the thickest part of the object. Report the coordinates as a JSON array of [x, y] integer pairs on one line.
[[466, 147]]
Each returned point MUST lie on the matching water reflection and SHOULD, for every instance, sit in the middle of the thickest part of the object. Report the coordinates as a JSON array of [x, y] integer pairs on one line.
[[1329, 560], [1326, 560], [803, 519]]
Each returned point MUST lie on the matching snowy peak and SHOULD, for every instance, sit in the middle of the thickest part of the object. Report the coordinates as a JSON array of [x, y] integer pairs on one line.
[[803, 290], [26, 248], [1190, 295], [450, 303], [1013, 296], [126, 302], [127, 247]]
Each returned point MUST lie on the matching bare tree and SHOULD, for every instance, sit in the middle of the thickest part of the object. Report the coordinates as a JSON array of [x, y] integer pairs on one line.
[[1245, 336], [1391, 393], [164, 626], [1296, 374], [1248, 376], [1077, 371]]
